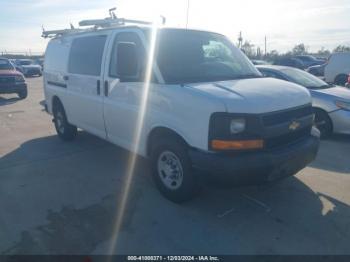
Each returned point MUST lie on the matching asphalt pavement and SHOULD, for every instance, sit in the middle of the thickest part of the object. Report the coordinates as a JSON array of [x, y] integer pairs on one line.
[[64, 198]]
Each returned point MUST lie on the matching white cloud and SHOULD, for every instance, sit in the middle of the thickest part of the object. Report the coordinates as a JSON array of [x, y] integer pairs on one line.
[[286, 23]]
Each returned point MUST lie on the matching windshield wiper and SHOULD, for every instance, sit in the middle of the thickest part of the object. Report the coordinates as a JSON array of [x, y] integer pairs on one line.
[[247, 76], [320, 87]]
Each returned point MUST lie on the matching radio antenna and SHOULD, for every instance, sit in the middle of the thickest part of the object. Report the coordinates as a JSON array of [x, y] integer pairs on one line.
[[187, 12]]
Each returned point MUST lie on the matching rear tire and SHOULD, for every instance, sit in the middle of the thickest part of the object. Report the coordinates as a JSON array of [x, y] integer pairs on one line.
[[172, 170], [64, 130], [323, 123], [23, 94]]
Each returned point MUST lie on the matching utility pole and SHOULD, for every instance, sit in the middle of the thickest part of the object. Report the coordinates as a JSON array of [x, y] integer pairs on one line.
[[265, 46], [240, 40], [187, 12]]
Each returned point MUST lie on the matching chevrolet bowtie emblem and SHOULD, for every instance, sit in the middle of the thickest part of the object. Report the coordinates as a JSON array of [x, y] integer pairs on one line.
[[294, 125]]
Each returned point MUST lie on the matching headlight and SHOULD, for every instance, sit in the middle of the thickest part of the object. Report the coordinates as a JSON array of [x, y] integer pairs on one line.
[[19, 78], [237, 125], [343, 105]]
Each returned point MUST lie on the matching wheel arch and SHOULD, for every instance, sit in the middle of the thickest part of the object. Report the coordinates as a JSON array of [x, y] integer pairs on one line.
[[315, 108], [56, 101], [162, 131]]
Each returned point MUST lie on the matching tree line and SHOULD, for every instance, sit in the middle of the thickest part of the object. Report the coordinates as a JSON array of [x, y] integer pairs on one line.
[[300, 49]]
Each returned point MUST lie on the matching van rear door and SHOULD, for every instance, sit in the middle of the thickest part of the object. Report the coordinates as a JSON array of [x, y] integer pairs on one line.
[[84, 82]]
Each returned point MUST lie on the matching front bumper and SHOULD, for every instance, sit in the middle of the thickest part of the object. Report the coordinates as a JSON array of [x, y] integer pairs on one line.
[[340, 121], [12, 88], [257, 167]]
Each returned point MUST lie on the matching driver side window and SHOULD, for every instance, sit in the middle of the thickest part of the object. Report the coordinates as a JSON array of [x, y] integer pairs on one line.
[[133, 39]]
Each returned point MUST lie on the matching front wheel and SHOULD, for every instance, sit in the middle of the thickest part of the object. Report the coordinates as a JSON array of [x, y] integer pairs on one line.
[[64, 130], [172, 170]]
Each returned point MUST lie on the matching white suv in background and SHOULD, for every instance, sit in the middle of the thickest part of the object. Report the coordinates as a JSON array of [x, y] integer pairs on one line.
[[338, 68], [200, 105]]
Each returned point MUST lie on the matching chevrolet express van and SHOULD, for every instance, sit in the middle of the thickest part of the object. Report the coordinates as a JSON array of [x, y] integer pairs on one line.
[[202, 105]]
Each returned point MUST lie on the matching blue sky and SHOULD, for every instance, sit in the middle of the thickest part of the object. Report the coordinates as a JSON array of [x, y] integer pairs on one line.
[[321, 23]]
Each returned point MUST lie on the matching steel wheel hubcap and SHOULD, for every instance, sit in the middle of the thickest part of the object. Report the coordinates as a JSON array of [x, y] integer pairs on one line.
[[170, 170]]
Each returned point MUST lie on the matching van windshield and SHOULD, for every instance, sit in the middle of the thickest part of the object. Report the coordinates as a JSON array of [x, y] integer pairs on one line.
[[188, 56]]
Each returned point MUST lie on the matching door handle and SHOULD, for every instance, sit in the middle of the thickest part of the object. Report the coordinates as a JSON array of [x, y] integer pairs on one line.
[[106, 88], [98, 87]]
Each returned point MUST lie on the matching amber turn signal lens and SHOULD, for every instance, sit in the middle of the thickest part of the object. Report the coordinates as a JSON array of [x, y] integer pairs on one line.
[[238, 144]]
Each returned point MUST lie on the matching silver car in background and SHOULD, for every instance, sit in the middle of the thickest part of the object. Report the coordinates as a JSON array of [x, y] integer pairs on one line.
[[331, 103]]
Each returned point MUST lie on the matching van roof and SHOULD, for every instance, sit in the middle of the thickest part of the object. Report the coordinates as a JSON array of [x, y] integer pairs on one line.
[[143, 28]]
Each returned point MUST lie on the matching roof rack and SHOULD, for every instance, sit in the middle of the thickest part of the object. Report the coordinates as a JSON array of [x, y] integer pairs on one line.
[[95, 24]]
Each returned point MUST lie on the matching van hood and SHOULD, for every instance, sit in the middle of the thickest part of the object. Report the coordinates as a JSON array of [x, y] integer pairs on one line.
[[257, 95], [337, 92]]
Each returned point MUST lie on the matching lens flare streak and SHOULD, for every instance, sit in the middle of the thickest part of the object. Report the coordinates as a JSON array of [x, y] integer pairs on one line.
[[136, 143]]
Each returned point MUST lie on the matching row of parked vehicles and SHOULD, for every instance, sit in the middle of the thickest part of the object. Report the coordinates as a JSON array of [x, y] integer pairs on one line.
[[11, 80], [28, 67], [335, 69]]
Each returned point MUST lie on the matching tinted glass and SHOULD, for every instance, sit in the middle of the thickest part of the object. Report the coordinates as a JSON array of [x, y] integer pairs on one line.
[[131, 38], [86, 55], [196, 56], [25, 62], [304, 79], [5, 65]]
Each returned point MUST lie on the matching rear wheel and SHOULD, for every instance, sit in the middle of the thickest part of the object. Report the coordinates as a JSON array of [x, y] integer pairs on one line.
[[64, 130], [323, 123], [172, 170]]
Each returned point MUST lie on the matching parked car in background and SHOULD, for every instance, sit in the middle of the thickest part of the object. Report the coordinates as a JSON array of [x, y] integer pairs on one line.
[[290, 61], [309, 60], [96, 80], [331, 103], [317, 70], [11, 81], [39, 61], [338, 68], [28, 67]]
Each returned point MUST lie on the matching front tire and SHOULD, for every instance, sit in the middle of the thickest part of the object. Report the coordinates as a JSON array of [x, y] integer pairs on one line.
[[323, 123], [64, 130], [172, 170]]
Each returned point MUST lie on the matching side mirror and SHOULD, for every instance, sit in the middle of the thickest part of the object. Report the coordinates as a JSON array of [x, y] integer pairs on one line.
[[127, 61]]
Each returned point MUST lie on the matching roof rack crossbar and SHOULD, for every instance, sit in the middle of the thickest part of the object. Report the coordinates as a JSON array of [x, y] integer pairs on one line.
[[54, 33], [108, 22], [112, 21]]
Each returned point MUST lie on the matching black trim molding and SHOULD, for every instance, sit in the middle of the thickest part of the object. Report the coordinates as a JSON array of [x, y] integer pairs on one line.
[[57, 84]]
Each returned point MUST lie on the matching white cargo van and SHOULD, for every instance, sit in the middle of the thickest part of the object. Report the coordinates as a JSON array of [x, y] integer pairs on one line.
[[337, 69], [206, 106]]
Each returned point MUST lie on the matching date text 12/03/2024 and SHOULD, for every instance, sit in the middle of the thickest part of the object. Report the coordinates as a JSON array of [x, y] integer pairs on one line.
[[173, 258]]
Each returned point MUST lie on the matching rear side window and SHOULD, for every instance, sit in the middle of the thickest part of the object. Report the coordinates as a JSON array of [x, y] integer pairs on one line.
[[86, 55]]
